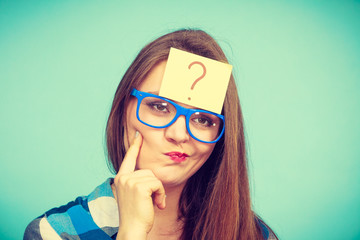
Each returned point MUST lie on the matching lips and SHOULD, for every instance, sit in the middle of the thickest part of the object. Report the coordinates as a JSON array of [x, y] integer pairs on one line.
[[177, 156]]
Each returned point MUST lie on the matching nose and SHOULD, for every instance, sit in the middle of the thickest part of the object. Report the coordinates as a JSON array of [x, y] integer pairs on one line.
[[177, 132]]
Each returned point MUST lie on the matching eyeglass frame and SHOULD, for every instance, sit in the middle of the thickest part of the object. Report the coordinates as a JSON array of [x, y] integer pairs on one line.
[[180, 111]]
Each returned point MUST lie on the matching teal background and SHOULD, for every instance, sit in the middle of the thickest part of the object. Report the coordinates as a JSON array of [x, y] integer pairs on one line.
[[297, 69]]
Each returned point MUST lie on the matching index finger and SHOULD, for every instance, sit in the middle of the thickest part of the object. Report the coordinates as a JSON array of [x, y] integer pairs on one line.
[[129, 162]]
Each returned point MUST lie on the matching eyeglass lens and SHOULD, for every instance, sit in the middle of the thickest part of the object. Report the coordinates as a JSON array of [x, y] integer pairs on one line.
[[158, 113]]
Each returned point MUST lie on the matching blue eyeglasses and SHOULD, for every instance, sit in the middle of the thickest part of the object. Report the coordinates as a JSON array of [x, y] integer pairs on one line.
[[158, 112]]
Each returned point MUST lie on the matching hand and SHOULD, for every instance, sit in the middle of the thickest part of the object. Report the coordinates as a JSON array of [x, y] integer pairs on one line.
[[136, 193]]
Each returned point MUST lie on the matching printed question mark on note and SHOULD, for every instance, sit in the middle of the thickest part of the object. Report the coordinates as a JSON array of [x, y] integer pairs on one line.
[[199, 78]]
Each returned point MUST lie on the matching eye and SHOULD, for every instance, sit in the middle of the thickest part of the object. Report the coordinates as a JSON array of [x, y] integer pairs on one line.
[[158, 106], [203, 121]]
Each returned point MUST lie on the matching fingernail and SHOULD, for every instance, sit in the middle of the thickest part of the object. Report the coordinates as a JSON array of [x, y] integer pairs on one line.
[[164, 202], [136, 134]]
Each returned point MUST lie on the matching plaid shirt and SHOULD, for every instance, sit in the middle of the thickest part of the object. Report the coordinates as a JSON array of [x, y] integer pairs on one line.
[[93, 217]]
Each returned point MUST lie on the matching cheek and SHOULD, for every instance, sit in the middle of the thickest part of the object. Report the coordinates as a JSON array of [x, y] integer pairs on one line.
[[204, 150], [132, 124]]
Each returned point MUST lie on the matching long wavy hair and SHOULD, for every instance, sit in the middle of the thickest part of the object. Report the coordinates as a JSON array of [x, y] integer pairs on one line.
[[215, 202]]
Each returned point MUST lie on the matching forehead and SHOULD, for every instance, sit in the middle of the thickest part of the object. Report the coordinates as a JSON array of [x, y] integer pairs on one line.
[[153, 79]]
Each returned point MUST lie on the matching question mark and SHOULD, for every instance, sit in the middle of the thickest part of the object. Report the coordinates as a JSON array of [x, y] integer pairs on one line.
[[199, 78]]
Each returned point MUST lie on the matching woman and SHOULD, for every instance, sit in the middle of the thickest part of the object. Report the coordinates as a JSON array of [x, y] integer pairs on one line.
[[172, 181]]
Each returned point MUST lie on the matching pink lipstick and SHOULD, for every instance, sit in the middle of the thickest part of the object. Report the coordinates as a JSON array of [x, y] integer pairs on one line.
[[177, 156]]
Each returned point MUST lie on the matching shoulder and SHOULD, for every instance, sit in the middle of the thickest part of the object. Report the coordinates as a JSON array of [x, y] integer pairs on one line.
[[266, 231], [75, 219], [56, 222], [40, 228]]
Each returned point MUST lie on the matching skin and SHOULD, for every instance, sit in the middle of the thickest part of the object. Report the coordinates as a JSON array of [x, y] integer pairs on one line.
[[148, 185]]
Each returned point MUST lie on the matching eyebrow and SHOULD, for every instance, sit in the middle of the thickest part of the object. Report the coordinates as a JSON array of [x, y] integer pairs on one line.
[[155, 92]]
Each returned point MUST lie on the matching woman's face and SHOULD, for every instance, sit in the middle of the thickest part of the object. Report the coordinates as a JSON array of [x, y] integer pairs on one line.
[[159, 142]]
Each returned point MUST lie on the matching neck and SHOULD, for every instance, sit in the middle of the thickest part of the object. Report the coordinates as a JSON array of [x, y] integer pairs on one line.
[[166, 221]]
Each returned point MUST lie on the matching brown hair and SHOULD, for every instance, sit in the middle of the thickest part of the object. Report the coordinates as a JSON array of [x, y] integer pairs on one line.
[[215, 203]]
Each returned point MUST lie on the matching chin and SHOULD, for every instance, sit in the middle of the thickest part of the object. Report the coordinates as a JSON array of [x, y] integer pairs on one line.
[[169, 179]]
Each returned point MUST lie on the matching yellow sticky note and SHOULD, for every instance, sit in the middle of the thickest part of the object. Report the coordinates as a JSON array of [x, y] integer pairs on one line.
[[195, 80]]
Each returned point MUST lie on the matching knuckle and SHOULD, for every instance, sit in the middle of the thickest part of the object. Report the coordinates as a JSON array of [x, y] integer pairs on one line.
[[138, 187], [120, 180], [123, 180], [117, 179], [157, 182], [130, 183], [148, 172]]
